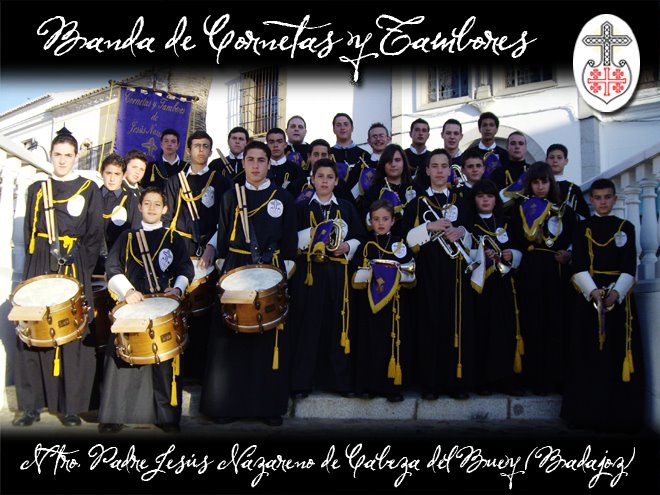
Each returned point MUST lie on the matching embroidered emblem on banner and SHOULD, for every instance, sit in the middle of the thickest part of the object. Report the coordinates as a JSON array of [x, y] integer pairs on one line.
[[606, 63]]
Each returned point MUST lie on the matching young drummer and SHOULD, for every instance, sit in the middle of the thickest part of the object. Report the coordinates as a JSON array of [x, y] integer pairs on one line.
[[499, 341], [144, 393], [546, 233], [437, 223], [322, 355], [384, 347], [60, 378], [605, 389], [247, 373]]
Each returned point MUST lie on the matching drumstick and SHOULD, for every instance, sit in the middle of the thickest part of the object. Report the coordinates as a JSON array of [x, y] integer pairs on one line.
[[187, 193], [245, 209], [150, 261], [49, 229], [51, 208], [146, 260], [241, 212]]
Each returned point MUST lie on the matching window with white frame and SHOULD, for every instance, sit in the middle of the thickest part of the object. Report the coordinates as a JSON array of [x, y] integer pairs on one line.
[[259, 102], [445, 83], [519, 75]]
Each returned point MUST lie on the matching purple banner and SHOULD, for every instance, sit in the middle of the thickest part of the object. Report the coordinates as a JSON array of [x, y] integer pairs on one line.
[[143, 114]]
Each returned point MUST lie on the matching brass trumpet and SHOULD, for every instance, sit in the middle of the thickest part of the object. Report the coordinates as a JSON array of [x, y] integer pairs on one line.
[[453, 249], [335, 239], [501, 265], [404, 267]]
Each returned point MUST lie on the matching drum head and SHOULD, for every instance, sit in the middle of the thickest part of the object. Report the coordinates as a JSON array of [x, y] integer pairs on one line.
[[251, 278], [47, 291], [150, 308], [201, 272]]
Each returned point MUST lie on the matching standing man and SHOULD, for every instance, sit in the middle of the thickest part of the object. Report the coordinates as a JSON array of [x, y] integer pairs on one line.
[[347, 154], [378, 138], [283, 171], [297, 150], [60, 378], [169, 163], [418, 154], [494, 155], [247, 373], [514, 166], [237, 139]]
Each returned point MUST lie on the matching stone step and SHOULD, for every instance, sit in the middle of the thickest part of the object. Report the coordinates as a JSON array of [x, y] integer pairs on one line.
[[329, 406]]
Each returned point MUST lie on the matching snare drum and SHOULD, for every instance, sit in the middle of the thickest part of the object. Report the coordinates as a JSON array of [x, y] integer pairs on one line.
[[253, 298], [150, 331], [201, 291], [50, 310], [103, 303]]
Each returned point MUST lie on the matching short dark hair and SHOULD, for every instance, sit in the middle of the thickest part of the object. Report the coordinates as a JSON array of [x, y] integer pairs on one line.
[[557, 147], [438, 151], [241, 130], [257, 145], [198, 135], [64, 139], [516, 133], [170, 132], [325, 162], [384, 204], [155, 190], [378, 124], [319, 142], [486, 186], [419, 121], [341, 114], [541, 170], [452, 121], [136, 155], [472, 153], [296, 117], [602, 184], [113, 159], [276, 130], [488, 115]]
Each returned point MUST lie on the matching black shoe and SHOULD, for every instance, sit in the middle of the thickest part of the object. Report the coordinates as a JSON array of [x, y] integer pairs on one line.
[[223, 420], [430, 396], [395, 398], [110, 427], [170, 427], [71, 420], [459, 395], [273, 421], [27, 418]]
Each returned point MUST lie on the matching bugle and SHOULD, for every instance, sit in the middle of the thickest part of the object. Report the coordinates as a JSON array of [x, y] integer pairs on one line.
[[458, 171], [501, 265]]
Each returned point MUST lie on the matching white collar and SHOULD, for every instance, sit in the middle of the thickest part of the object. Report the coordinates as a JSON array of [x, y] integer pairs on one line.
[[375, 157], [235, 157], [276, 163], [332, 200], [602, 216], [151, 226], [415, 152], [176, 159], [560, 177], [128, 184], [459, 152], [430, 191], [485, 215], [69, 177], [482, 146], [201, 172], [263, 186]]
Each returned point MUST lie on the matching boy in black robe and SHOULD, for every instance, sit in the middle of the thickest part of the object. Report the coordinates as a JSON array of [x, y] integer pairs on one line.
[[606, 385], [569, 193], [168, 165], [232, 168], [350, 158], [77, 203], [143, 393], [246, 374], [284, 172]]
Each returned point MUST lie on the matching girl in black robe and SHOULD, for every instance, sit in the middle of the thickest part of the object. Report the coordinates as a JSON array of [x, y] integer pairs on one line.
[[546, 232], [77, 203], [443, 305], [499, 341], [246, 374], [143, 393], [322, 356], [606, 385], [384, 346]]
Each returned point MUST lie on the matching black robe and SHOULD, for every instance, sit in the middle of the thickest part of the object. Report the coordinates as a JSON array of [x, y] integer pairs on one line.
[[159, 171], [319, 360], [417, 163], [77, 216], [141, 393], [233, 170], [445, 333], [500, 153], [596, 394], [207, 189], [297, 153], [496, 323], [541, 284], [374, 349], [573, 193], [508, 174], [286, 176], [405, 193], [353, 157], [239, 380]]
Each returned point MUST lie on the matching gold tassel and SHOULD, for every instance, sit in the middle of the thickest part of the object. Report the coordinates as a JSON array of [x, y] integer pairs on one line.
[[459, 370], [517, 363], [56, 362], [276, 350], [347, 345], [626, 369], [521, 346], [309, 280], [630, 361], [391, 368], [233, 231], [398, 376], [455, 339], [153, 176], [176, 369], [601, 341]]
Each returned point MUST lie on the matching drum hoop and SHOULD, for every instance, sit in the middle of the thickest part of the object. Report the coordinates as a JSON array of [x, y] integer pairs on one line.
[[155, 322], [256, 328], [165, 356], [69, 337], [246, 267], [55, 308]]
